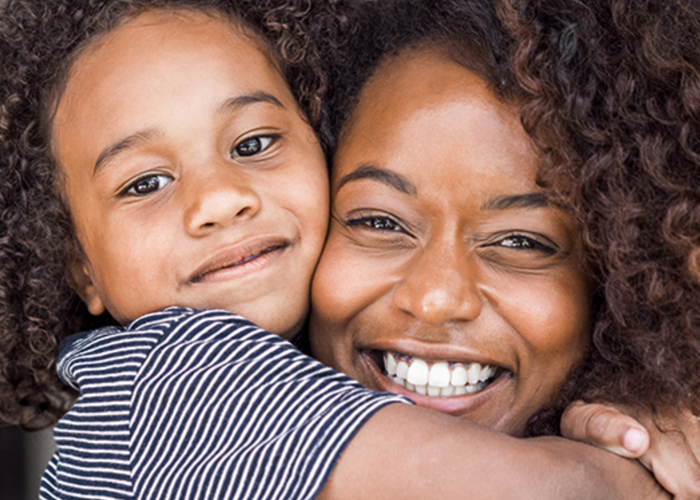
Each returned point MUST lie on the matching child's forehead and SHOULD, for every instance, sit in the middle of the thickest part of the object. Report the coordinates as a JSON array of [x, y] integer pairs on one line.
[[197, 60], [162, 38], [154, 23]]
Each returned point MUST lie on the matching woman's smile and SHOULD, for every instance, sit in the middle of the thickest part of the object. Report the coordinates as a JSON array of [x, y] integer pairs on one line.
[[454, 387], [448, 275]]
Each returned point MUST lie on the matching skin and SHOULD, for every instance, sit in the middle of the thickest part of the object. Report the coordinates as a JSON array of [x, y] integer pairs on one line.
[[163, 208], [173, 180], [442, 247]]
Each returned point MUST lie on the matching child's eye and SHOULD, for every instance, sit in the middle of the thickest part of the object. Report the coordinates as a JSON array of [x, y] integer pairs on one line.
[[522, 242], [253, 146], [148, 184]]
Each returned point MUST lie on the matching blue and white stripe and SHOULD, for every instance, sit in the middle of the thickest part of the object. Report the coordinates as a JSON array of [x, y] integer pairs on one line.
[[186, 404]]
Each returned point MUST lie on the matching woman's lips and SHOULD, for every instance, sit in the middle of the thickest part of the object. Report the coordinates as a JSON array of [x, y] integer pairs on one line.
[[240, 260], [449, 386], [442, 378]]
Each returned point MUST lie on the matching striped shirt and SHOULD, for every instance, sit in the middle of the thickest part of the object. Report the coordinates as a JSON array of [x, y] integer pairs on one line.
[[186, 404]]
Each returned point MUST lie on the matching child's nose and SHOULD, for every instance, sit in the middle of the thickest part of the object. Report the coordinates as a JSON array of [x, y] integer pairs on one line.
[[219, 200]]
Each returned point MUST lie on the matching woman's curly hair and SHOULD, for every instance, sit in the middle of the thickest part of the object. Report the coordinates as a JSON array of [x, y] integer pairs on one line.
[[613, 101], [38, 41], [609, 91]]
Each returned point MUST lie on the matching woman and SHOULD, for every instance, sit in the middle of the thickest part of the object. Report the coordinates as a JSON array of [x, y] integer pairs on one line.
[[448, 260]]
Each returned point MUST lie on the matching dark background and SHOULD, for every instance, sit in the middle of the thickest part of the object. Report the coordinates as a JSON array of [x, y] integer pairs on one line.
[[23, 457]]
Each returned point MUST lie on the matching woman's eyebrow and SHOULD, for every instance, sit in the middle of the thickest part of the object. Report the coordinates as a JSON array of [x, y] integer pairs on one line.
[[505, 202], [392, 179]]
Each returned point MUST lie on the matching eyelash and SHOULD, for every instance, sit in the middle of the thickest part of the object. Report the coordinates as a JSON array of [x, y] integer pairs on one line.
[[515, 241], [376, 223], [521, 242], [131, 189], [263, 142]]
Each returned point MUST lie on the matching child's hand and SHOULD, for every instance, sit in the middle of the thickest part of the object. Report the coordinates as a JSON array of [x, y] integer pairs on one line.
[[670, 450]]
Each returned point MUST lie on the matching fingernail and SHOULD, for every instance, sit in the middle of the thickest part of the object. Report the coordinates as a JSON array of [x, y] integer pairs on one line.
[[634, 439]]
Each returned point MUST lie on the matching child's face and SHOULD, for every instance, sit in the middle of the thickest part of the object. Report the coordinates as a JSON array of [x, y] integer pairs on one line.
[[443, 251], [191, 176]]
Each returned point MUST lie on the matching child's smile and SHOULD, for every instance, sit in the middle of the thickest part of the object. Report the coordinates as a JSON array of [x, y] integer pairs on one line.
[[201, 192]]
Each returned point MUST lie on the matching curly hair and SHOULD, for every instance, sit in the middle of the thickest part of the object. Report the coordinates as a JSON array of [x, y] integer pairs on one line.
[[609, 91], [613, 102], [38, 41], [470, 32]]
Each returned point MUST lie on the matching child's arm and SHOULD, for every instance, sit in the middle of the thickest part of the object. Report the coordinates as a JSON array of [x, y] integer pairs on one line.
[[410, 452]]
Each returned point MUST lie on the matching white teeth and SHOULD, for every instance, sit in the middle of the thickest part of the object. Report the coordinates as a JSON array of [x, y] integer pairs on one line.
[[418, 372], [447, 391], [459, 375], [437, 379], [439, 375], [389, 364], [473, 373], [433, 391], [486, 373], [401, 369]]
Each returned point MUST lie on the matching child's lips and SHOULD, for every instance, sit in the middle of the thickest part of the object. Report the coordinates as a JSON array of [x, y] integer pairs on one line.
[[240, 259]]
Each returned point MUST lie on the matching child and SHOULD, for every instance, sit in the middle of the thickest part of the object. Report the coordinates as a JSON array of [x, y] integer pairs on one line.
[[205, 192], [177, 179]]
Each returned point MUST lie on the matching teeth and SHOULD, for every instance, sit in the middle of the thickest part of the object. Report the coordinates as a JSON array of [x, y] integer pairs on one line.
[[473, 373], [389, 364], [447, 391], [437, 379], [402, 369], [459, 375], [439, 375], [486, 373], [418, 372]]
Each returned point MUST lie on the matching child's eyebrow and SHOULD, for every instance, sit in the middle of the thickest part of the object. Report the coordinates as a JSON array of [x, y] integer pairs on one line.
[[241, 101], [123, 144], [229, 105]]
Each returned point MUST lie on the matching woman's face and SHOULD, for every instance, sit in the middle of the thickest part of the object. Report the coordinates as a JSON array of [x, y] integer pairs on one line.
[[447, 275]]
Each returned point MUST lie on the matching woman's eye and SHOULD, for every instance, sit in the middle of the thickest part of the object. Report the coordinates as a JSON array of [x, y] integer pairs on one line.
[[519, 242], [377, 223], [252, 146], [148, 184]]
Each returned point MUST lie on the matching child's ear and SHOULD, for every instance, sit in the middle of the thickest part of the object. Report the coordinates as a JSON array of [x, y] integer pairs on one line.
[[82, 283]]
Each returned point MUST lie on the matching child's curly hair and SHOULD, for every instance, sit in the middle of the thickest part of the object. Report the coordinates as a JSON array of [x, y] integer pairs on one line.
[[38, 41], [609, 90]]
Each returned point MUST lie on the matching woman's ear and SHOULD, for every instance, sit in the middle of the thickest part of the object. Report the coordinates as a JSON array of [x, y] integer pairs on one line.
[[81, 281]]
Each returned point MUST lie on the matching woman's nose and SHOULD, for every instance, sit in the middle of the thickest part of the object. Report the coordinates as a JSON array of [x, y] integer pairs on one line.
[[440, 285], [219, 199]]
